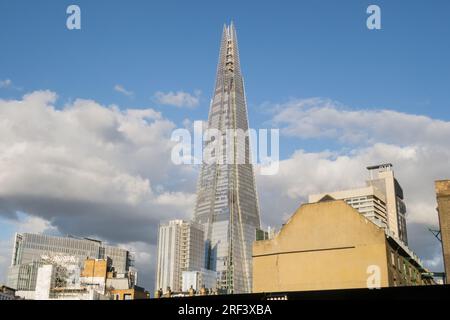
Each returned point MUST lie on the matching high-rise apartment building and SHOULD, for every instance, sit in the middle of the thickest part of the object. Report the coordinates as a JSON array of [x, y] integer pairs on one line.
[[181, 247], [380, 201], [31, 250], [227, 204], [382, 177], [443, 199]]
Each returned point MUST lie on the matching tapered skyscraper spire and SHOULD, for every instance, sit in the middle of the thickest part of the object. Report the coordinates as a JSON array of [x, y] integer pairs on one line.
[[227, 204]]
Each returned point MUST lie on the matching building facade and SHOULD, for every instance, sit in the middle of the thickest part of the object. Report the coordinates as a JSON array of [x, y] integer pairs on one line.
[[62, 278], [382, 177], [443, 200], [181, 247], [227, 204], [7, 293], [380, 201], [330, 245], [32, 250], [199, 279]]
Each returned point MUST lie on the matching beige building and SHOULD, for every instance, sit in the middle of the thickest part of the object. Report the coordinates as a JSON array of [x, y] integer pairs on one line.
[[443, 200], [330, 245]]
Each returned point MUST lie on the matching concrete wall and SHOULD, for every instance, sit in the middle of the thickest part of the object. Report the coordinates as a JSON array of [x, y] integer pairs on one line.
[[44, 282], [325, 245]]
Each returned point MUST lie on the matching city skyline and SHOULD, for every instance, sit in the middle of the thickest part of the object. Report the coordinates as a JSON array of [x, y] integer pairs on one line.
[[87, 115]]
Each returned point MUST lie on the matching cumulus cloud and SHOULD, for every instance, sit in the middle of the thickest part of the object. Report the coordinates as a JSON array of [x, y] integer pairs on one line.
[[324, 118], [119, 88], [178, 99], [89, 169]]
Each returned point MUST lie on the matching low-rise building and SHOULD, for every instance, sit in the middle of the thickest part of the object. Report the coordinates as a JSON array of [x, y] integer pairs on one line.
[[7, 293], [330, 245], [62, 279], [136, 293], [31, 251]]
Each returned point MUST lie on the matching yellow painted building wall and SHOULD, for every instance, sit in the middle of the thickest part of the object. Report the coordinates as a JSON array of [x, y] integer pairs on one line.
[[94, 268], [133, 294], [325, 245]]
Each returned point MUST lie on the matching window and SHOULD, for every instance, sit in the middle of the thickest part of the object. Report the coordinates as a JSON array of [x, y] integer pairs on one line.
[[393, 258], [127, 296]]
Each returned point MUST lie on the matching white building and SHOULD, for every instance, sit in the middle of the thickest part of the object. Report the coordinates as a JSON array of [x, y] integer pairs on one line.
[[181, 247], [381, 201], [382, 177]]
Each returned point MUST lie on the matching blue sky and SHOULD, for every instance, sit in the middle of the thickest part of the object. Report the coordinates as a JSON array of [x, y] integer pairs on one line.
[[292, 48], [289, 50]]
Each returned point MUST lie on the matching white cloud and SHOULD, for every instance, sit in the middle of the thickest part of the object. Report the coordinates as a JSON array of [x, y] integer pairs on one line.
[[8, 84], [119, 88], [89, 161], [324, 118], [179, 98], [307, 173], [5, 83], [33, 224]]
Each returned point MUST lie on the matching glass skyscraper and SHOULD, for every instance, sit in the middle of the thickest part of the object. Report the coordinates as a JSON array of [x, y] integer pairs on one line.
[[227, 204]]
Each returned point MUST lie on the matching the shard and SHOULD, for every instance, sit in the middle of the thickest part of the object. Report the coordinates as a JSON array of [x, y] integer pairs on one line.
[[227, 203]]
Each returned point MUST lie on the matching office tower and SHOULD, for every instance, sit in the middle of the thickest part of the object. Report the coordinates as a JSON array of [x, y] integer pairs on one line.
[[32, 250], [380, 201], [443, 199], [181, 247], [227, 203]]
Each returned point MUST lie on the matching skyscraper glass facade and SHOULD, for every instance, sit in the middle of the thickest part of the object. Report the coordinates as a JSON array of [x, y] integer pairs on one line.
[[227, 204]]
